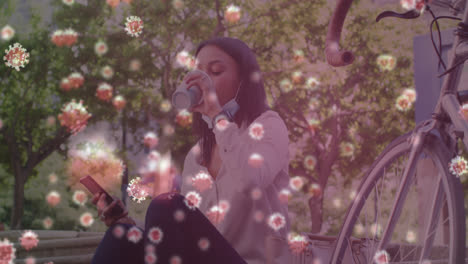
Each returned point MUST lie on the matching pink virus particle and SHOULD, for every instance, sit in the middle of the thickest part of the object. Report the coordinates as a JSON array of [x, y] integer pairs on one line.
[[53, 178], [336, 202], [286, 85], [136, 191], [298, 78], [310, 162], [411, 94], [7, 252], [184, 118], [7, 33], [104, 91], [30, 260], [284, 195], [28, 240], [113, 3], [417, 5], [100, 48], [135, 65], [47, 222], [154, 155], [382, 257], [68, 2], [255, 160], [66, 37], [16, 56], [119, 102], [215, 215], [202, 181], [80, 197], [76, 80], [118, 231], [276, 221], [313, 125], [150, 140], [204, 244], [256, 193], [192, 200], [150, 248], [232, 13], [347, 149], [175, 260], [386, 62], [178, 4], [458, 166], [65, 84], [314, 103], [155, 235], [222, 124], [224, 205], [259, 216], [165, 106], [107, 72], [53, 198], [134, 234], [183, 58], [134, 26], [74, 116], [296, 183], [179, 215], [297, 243], [312, 84], [86, 219], [464, 111], [315, 190], [410, 236], [256, 131], [403, 103], [150, 258], [168, 130], [298, 56]]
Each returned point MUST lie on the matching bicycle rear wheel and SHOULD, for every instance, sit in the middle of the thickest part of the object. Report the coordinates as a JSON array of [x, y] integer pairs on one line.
[[415, 237]]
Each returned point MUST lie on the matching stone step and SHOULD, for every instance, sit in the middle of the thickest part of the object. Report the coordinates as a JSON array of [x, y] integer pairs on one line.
[[78, 259]]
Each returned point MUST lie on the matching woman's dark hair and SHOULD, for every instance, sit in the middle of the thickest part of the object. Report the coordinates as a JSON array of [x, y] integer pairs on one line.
[[251, 97]]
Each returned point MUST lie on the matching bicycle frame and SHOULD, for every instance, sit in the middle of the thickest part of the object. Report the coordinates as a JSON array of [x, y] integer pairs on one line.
[[447, 105]]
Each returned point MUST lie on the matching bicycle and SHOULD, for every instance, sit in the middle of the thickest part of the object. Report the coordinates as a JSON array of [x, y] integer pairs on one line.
[[420, 149]]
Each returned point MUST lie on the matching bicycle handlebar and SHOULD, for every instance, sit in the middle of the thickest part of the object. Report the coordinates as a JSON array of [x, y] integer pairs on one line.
[[335, 57]]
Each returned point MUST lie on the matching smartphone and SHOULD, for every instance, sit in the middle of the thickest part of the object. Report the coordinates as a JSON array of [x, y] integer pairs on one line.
[[94, 188]]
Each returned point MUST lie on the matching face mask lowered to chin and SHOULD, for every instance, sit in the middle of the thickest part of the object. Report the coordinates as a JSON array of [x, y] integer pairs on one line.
[[230, 107]]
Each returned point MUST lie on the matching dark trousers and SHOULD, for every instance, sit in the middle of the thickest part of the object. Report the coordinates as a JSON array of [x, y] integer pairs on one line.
[[184, 237]]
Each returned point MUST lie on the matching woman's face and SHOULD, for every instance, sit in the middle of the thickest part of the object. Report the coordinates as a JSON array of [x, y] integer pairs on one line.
[[222, 70]]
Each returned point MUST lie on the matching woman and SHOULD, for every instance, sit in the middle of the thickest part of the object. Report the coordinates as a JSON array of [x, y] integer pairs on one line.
[[232, 177]]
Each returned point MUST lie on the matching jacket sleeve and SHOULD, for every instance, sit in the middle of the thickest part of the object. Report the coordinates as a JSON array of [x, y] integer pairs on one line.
[[273, 147]]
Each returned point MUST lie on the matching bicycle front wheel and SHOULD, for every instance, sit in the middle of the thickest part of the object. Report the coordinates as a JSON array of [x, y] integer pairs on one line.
[[419, 234]]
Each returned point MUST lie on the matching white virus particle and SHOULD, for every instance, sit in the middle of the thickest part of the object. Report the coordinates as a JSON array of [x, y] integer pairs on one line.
[[100, 48], [53, 198], [297, 243], [296, 183], [410, 236], [28, 240], [232, 13], [312, 84], [202, 181], [7, 33], [107, 72], [80, 197], [155, 235], [276, 221], [7, 251], [204, 244], [16, 56], [458, 166], [86, 219], [134, 26], [255, 160], [256, 193], [47, 222], [136, 191], [284, 195], [118, 231], [179, 215], [403, 103], [150, 258], [192, 200], [382, 257], [256, 131], [286, 85], [134, 234], [258, 216], [310, 162], [68, 2], [411, 94]]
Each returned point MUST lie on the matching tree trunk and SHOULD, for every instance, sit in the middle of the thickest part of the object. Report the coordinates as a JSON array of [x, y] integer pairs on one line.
[[18, 201], [316, 213]]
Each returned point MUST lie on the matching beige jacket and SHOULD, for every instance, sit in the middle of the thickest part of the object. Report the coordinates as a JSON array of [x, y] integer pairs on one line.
[[238, 182]]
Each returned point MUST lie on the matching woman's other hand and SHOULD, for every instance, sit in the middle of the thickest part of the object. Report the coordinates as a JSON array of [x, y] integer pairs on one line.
[[99, 199]]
